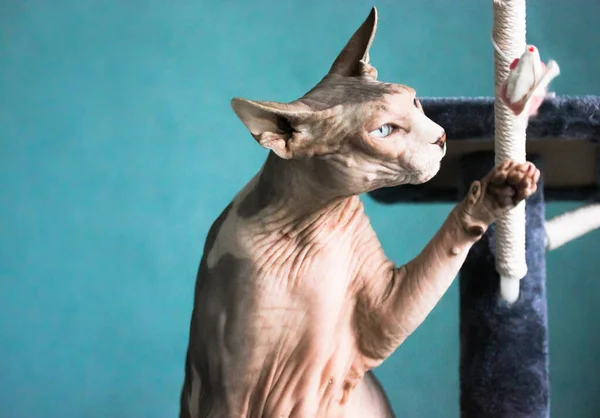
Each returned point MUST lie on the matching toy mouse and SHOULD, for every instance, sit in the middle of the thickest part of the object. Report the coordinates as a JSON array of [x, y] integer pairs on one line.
[[527, 82]]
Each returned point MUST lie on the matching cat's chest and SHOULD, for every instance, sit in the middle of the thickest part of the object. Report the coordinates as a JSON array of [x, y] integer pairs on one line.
[[323, 253], [307, 265]]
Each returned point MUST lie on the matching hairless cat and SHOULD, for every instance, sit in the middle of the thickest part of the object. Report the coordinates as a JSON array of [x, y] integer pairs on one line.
[[295, 301]]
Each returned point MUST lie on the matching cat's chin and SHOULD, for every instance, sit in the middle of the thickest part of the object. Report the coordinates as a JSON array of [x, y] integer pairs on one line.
[[405, 176], [429, 172]]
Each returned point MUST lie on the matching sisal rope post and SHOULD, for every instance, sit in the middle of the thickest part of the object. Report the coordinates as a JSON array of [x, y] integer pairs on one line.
[[509, 33]]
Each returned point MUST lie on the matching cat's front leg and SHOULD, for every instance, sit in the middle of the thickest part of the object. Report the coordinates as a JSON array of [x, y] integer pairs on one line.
[[395, 301]]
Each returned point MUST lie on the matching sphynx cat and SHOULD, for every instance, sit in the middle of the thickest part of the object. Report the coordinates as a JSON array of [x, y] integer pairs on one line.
[[295, 300]]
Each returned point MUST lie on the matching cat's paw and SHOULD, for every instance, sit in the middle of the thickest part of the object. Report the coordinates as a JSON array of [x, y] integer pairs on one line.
[[509, 184], [497, 193]]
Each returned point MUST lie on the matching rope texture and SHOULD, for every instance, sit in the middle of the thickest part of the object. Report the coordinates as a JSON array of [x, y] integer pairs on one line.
[[509, 32]]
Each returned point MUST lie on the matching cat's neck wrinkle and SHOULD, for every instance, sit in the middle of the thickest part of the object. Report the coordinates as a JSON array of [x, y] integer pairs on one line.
[[294, 201]]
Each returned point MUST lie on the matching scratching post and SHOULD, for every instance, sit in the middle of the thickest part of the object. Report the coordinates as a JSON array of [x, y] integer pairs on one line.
[[504, 347], [509, 36]]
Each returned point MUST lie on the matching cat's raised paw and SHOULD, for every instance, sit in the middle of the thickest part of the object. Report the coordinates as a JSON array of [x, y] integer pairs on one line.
[[500, 190], [509, 183]]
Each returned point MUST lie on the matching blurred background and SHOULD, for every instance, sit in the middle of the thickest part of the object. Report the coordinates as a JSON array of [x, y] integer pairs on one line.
[[118, 149]]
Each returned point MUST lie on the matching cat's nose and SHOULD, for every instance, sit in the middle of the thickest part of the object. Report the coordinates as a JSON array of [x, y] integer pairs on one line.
[[441, 140]]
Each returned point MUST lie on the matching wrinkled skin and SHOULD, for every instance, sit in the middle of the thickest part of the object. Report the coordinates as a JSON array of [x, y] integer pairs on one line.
[[295, 299]]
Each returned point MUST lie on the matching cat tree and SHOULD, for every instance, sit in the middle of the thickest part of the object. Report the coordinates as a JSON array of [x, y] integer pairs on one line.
[[503, 311]]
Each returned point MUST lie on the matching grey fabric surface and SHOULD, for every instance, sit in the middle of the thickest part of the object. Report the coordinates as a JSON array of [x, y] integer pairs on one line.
[[567, 117], [504, 348]]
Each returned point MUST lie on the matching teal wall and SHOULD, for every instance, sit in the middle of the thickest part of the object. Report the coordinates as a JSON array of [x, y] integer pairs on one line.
[[119, 148]]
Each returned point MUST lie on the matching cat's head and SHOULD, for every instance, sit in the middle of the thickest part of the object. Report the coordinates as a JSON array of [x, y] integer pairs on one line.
[[360, 133]]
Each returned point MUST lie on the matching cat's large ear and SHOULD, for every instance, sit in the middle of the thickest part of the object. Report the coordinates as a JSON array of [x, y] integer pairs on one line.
[[285, 128], [353, 61]]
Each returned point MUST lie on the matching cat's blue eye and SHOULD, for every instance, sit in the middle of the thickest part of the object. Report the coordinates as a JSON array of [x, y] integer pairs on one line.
[[382, 131]]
